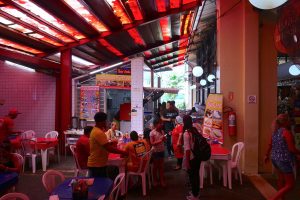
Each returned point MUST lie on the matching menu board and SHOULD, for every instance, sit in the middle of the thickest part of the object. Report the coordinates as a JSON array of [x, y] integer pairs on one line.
[[89, 102], [113, 81], [213, 118]]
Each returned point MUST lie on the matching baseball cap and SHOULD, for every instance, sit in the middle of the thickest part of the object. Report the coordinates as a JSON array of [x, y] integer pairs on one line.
[[13, 111]]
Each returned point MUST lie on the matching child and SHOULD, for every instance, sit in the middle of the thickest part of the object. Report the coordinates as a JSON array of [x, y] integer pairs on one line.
[[282, 149], [157, 139]]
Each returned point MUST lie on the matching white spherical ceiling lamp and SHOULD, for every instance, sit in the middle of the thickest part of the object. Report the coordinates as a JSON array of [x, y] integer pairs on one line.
[[203, 82], [294, 70], [197, 71], [211, 78], [267, 4]]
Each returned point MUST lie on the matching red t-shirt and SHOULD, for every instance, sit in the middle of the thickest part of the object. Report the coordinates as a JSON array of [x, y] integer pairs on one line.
[[83, 151], [6, 127]]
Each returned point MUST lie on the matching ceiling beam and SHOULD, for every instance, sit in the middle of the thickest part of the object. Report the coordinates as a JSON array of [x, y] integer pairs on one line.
[[184, 8], [29, 26], [166, 53], [167, 59], [159, 44], [169, 63], [23, 59], [39, 19]]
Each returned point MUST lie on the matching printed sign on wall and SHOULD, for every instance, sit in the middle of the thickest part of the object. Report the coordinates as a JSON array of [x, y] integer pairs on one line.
[[213, 118], [113, 81], [89, 102]]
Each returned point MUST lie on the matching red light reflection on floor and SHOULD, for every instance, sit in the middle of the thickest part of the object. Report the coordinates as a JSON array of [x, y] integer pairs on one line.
[[110, 47]]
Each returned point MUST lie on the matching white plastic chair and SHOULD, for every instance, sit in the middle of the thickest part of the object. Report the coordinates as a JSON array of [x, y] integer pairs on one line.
[[78, 169], [236, 151], [15, 196], [102, 197], [141, 172], [29, 151], [53, 134], [117, 185], [51, 179], [20, 160], [204, 165], [28, 134]]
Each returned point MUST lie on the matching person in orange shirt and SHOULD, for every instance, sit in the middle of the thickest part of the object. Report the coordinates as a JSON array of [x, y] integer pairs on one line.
[[135, 149], [7, 125], [83, 147]]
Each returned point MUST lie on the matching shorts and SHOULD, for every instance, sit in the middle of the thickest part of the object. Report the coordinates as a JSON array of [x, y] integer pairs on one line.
[[158, 155], [283, 166]]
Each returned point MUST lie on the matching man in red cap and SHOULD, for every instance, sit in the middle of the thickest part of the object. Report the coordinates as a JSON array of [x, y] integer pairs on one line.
[[7, 125]]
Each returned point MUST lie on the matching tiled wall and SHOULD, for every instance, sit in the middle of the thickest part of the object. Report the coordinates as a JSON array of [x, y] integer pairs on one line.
[[31, 93]]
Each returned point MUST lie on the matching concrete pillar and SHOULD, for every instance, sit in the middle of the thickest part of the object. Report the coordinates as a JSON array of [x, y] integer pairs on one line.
[[65, 91], [267, 86], [238, 58]]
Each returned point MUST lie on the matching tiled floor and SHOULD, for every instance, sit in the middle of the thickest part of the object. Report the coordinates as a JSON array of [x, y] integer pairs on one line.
[[176, 189]]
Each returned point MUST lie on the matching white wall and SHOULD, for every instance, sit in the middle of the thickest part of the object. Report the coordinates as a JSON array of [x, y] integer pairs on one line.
[[31, 93]]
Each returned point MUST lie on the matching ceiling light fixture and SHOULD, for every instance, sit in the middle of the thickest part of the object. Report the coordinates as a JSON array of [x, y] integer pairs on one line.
[[106, 68], [203, 82], [19, 66], [294, 70], [267, 4], [211, 78], [197, 71]]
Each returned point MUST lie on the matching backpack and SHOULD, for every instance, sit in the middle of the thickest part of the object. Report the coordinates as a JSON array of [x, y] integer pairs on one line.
[[201, 149]]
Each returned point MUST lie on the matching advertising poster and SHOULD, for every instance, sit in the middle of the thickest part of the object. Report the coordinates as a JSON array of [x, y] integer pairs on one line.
[[89, 102], [213, 118], [113, 81]]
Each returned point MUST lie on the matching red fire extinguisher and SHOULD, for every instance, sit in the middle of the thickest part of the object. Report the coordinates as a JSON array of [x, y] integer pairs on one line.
[[232, 123]]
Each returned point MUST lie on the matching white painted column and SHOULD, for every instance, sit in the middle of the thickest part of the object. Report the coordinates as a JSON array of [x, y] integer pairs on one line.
[[137, 109]]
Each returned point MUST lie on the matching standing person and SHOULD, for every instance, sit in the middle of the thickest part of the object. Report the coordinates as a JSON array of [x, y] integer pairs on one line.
[[157, 139], [177, 146], [7, 125], [168, 118], [135, 149], [282, 149], [191, 164], [100, 147], [83, 147]]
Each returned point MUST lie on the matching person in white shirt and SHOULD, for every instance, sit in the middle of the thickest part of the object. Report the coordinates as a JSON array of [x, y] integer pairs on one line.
[[190, 163]]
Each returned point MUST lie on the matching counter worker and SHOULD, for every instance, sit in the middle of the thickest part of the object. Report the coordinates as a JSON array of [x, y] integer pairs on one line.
[[100, 148], [7, 125]]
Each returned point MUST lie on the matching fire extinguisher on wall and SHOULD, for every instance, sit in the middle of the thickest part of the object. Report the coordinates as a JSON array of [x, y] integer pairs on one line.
[[232, 123]]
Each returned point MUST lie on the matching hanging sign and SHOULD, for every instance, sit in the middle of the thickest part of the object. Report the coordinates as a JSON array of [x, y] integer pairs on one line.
[[213, 118], [89, 102], [113, 81]]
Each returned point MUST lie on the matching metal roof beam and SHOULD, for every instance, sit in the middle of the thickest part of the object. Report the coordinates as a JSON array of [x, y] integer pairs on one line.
[[23, 59], [165, 60], [184, 8]]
